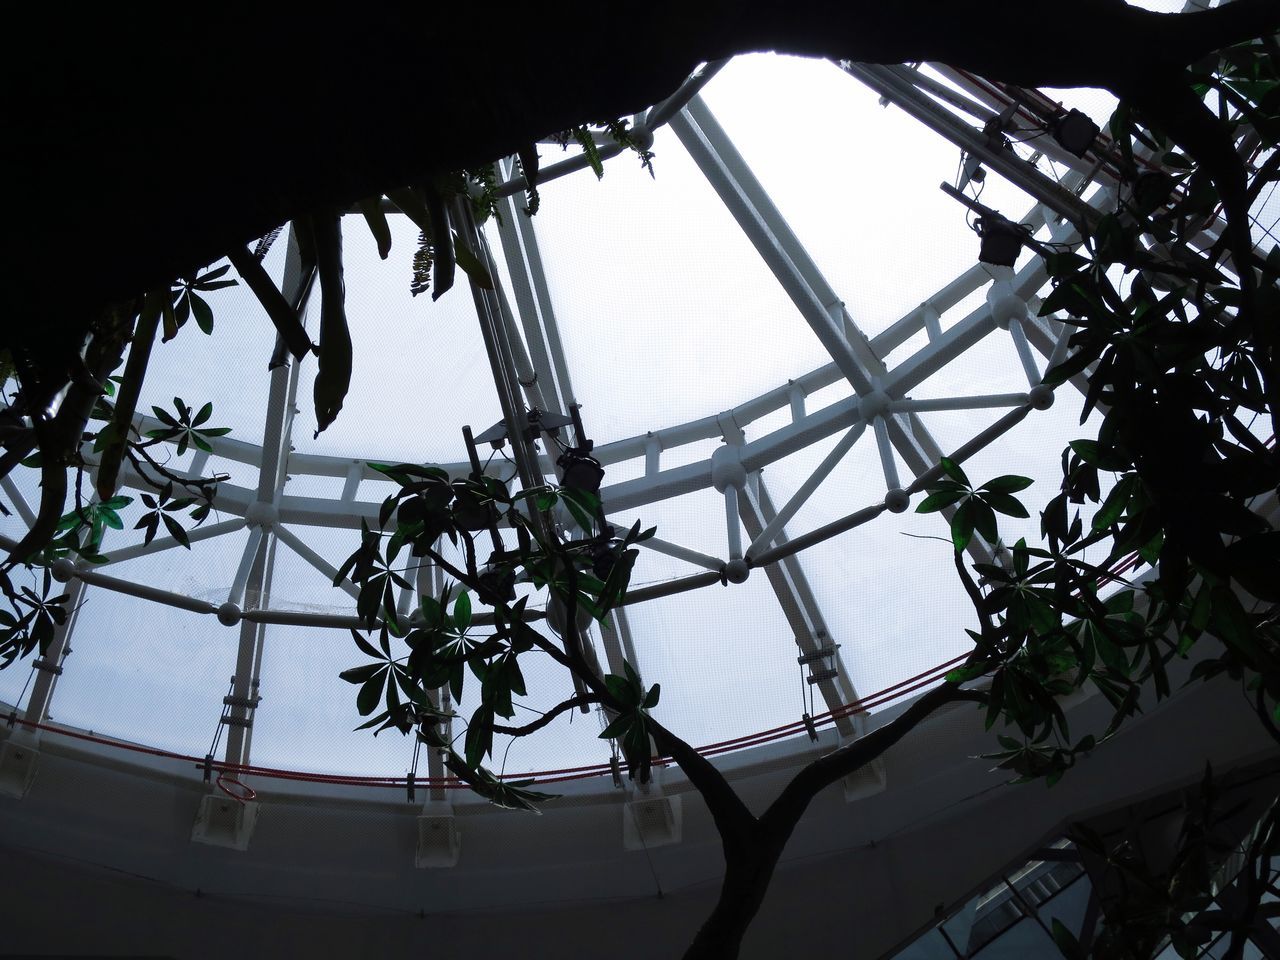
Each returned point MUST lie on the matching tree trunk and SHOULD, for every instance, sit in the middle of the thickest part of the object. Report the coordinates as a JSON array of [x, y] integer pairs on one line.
[[748, 871]]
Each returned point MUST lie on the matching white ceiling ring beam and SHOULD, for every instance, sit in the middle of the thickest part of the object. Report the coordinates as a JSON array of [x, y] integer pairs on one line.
[[704, 428]]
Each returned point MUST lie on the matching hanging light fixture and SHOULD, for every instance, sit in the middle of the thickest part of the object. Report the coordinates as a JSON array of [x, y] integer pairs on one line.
[[1075, 132], [604, 554], [497, 583], [580, 470], [1001, 241]]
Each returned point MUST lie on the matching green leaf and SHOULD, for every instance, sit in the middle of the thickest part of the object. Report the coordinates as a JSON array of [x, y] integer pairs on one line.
[[413, 207], [582, 505], [371, 693], [169, 322], [1116, 502], [164, 416], [380, 718], [1009, 483], [365, 647], [462, 611], [393, 695], [371, 207], [203, 314], [984, 520], [589, 150], [479, 740], [175, 530], [1006, 504], [651, 700], [620, 725], [622, 690], [1102, 457], [939, 499], [633, 678], [333, 373], [361, 674], [432, 612], [952, 470], [962, 523]]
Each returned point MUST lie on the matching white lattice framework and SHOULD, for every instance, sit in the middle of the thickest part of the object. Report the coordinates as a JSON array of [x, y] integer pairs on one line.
[[531, 372]]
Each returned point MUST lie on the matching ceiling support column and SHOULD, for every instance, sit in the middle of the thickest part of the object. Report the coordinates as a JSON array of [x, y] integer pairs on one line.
[[49, 666], [253, 582], [791, 587], [546, 351]]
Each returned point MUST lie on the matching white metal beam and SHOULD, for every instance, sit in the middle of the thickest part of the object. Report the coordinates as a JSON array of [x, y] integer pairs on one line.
[[791, 587], [259, 562]]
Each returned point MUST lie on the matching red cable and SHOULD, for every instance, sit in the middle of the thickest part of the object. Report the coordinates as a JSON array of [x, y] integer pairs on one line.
[[543, 776]]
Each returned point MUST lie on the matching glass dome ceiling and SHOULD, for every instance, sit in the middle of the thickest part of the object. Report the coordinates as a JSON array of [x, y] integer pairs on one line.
[[792, 286]]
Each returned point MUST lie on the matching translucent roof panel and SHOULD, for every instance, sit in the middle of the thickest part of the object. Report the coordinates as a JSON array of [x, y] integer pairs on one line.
[[792, 283], [420, 368], [674, 270]]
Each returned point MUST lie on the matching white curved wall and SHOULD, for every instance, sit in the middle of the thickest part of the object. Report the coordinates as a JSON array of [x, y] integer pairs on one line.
[[333, 872]]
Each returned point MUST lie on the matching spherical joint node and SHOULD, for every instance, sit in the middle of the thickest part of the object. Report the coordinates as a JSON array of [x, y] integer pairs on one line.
[[229, 614], [262, 514], [63, 569], [874, 404], [1005, 304], [737, 571], [897, 500], [642, 136], [727, 469], [1041, 396]]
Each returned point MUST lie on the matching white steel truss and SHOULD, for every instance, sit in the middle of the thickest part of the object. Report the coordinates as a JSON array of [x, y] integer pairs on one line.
[[527, 356]]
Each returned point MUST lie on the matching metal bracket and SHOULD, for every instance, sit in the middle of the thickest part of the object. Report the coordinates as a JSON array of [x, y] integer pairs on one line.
[[820, 654], [250, 702], [245, 722], [48, 666]]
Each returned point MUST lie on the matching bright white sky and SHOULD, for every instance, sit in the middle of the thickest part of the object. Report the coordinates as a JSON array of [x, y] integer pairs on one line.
[[667, 315]]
